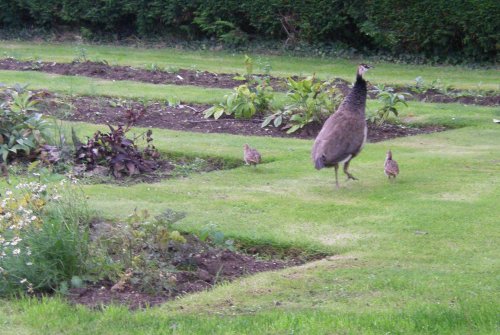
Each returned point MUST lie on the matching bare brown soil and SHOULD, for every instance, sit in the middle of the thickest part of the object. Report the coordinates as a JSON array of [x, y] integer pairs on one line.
[[210, 79], [105, 110]]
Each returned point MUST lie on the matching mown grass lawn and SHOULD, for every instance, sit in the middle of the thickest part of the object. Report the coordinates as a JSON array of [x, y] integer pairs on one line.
[[416, 256]]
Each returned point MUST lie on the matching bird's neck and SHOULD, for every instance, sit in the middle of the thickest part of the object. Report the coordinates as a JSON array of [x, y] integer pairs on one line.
[[360, 80], [358, 93]]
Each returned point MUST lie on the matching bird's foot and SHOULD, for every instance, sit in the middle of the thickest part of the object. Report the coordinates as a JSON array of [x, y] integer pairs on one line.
[[350, 176]]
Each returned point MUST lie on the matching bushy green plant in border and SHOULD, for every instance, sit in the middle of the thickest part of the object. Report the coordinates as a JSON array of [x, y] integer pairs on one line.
[[308, 101], [22, 129], [390, 102], [244, 102]]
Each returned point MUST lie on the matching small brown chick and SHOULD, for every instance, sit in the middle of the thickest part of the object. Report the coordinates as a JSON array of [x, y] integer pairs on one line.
[[391, 167], [251, 156]]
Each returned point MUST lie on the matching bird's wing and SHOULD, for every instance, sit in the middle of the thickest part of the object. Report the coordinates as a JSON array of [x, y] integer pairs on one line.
[[342, 135], [392, 167], [252, 156]]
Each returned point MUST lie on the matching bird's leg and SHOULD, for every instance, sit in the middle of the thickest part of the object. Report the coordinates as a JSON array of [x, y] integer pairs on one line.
[[349, 176], [336, 166]]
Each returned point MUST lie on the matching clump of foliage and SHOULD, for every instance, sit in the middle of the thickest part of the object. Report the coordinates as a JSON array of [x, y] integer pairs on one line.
[[390, 100], [22, 129], [153, 67], [246, 100], [309, 101], [248, 62], [210, 232], [117, 152], [224, 30], [140, 251], [81, 55], [436, 85], [43, 238]]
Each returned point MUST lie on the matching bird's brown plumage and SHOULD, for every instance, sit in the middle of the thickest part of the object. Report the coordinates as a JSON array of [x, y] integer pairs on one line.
[[391, 167], [251, 156], [344, 132]]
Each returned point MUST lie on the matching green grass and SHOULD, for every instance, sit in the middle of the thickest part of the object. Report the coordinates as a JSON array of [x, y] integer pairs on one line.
[[128, 89], [418, 256], [388, 73], [387, 278], [51, 316]]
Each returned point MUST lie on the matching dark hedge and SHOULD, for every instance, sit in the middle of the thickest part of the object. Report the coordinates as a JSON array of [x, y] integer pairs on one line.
[[469, 29]]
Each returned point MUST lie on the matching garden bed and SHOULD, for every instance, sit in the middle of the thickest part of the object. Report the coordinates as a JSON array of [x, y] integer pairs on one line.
[[180, 269], [154, 75], [175, 76], [105, 110]]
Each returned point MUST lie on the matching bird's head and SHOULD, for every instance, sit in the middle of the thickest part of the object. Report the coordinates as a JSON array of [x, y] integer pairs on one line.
[[245, 146], [389, 154], [362, 68]]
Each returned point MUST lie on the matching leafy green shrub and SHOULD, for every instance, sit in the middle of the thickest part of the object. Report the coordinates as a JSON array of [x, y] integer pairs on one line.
[[22, 129], [248, 99], [390, 103], [244, 102], [43, 238], [308, 101]]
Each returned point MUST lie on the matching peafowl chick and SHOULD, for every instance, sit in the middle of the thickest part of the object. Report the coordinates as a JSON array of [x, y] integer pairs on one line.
[[391, 167], [251, 156]]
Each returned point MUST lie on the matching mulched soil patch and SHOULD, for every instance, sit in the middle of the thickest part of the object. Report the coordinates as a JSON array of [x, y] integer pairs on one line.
[[208, 266], [104, 110], [209, 79]]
